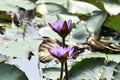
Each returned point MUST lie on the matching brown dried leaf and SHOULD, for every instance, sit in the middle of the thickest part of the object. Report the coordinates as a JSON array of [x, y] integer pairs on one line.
[[102, 46]]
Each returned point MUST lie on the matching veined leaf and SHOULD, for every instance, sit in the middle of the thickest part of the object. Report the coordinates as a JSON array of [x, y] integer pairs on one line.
[[97, 3], [49, 8], [51, 73], [93, 24], [20, 48], [108, 57], [112, 6], [10, 72], [13, 5], [116, 73], [113, 22], [74, 18], [80, 7], [87, 69], [108, 72], [60, 2]]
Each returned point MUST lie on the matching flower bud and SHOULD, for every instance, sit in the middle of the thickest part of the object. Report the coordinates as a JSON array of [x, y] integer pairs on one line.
[[63, 28]]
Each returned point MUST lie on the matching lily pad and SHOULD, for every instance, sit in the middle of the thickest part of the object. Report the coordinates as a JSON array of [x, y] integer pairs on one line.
[[20, 48], [93, 24], [51, 73], [50, 8], [112, 6], [116, 74], [113, 22], [87, 69], [13, 5], [80, 7], [11, 72]]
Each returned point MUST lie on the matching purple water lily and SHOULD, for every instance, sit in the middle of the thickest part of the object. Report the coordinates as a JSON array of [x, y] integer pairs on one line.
[[63, 28], [61, 53], [17, 17]]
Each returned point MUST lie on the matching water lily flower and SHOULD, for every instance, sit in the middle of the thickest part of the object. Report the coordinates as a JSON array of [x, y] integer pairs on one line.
[[17, 17], [63, 28], [62, 53]]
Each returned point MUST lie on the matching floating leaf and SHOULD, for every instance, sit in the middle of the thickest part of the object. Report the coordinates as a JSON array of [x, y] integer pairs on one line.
[[20, 48], [113, 22], [13, 5], [108, 72], [60, 2], [50, 8], [79, 34], [3, 58], [108, 57], [72, 17], [51, 73], [97, 3], [80, 7], [29, 66], [87, 69], [10, 72], [116, 74], [93, 24], [30, 31], [112, 6]]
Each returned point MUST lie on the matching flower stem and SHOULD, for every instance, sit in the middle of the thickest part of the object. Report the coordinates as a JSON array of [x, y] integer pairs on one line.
[[63, 42], [66, 70], [61, 73], [66, 67]]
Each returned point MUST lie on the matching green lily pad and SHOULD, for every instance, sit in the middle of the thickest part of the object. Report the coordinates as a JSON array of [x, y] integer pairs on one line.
[[51, 73], [112, 6], [87, 69], [80, 34], [13, 5], [80, 7], [113, 22], [50, 8], [11, 72], [20, 48], [116, 74]]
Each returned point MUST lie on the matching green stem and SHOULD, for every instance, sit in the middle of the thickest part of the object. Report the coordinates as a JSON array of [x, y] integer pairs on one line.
[[66, 70], [61, 73]]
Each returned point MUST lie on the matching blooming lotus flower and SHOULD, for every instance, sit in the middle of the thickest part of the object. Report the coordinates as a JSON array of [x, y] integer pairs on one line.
[[63, 28], [62, 54]]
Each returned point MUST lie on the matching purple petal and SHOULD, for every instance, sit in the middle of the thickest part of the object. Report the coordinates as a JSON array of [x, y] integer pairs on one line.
[[71, 52], [69, 23], [56, 26], [53, 52], [53, 27], [20, 15], [59, 52]]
